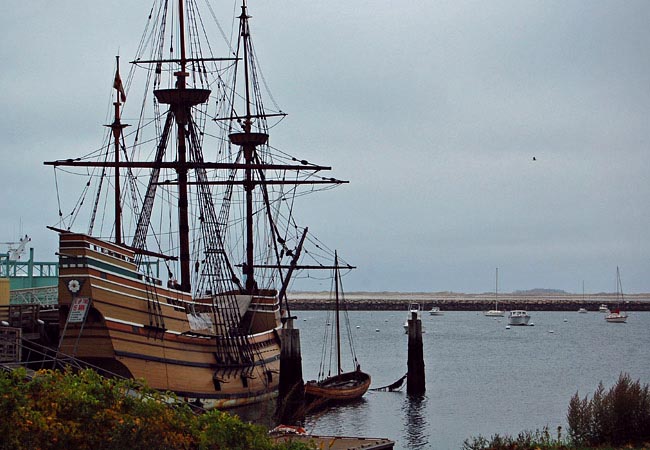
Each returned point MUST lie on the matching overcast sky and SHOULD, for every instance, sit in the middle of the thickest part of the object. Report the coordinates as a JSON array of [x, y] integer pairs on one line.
[[433, 110]]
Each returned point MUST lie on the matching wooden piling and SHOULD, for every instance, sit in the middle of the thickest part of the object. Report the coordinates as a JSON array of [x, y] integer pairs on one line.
[[415, 384], [291, 395]]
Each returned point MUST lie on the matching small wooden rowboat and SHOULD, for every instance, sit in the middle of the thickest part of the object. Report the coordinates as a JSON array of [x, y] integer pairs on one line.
[[338, 388]]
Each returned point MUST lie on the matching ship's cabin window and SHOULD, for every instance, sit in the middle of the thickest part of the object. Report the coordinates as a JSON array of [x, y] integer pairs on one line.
[[269, 376], [217, 383], [244, 380]]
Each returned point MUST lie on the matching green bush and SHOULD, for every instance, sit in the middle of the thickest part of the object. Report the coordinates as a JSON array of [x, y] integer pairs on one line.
[[61, 410], [614, 419], [526, 440], [620, 416]]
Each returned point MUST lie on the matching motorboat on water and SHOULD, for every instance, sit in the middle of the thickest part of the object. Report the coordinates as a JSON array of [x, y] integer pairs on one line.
[[603, 308], [518, 317], [414, 308], [582, 310], [435, 311]]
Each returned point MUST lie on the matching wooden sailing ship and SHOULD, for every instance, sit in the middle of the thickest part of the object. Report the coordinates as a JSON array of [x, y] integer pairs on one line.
[[208, 328], [342, 386]]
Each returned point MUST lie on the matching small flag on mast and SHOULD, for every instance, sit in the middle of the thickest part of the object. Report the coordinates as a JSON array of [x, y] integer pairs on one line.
[[117, 84]]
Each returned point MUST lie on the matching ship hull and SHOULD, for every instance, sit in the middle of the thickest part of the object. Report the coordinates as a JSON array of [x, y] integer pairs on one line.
[[136, 328]]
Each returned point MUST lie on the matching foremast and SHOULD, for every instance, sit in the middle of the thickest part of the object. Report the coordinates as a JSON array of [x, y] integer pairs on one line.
[[249, 141]]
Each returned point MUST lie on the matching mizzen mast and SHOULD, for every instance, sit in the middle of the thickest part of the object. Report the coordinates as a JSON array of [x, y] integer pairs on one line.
[[117, 128]]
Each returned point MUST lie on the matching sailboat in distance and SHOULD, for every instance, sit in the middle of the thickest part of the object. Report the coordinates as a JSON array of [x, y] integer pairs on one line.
[[616, 315], [495, 312], [180, 275]]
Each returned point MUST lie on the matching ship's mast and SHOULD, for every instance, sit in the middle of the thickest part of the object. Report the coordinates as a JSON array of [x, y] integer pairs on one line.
[[183, 217], [248, 141], [338, 326], [180, 101], [117, 128]]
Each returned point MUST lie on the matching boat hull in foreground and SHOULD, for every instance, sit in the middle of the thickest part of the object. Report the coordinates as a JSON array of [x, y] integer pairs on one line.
[[139, 329]]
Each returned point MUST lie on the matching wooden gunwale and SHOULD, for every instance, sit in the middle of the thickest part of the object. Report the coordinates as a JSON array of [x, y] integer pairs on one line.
[[79, 237], [317, 390]]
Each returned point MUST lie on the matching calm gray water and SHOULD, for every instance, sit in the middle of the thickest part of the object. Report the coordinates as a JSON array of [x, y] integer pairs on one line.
[[481, 377]]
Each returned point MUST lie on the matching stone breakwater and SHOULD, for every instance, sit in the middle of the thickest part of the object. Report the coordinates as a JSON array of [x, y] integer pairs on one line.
[[392, 301]]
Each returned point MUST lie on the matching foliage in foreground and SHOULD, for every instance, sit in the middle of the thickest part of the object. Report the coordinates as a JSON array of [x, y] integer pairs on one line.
[[614, 419], [56, 410]]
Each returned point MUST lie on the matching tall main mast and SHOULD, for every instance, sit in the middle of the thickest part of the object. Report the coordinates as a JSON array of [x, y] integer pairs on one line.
[[180, 101]]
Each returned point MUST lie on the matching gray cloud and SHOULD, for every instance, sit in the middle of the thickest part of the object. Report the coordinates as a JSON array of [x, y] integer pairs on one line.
[[433, 111]]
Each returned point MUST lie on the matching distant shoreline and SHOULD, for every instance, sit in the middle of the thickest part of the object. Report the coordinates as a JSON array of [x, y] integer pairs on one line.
[[450, 301]]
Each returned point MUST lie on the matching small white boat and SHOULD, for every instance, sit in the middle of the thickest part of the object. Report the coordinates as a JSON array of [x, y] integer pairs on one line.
[[495, 312], [518, 317], [435, 311], [616, 317], [413, 308], [582, 310], [603, 308]]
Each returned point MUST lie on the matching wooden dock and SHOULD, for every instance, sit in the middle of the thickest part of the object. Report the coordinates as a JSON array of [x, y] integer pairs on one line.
[[338, 442]]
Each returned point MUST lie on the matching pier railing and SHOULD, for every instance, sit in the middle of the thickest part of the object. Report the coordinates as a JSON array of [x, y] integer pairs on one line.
[[44, 296]]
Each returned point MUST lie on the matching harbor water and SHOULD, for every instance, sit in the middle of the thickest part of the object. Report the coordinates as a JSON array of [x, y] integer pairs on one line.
[[481, 378]]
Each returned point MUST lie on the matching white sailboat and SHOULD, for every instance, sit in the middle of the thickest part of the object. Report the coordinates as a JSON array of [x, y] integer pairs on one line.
[[583, 310], [495, 312], [617, 316]]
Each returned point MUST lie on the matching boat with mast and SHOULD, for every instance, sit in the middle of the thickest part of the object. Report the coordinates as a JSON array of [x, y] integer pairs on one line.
[[342, 386], [616, 315], [207, 329], [583, 310], [495, 312]]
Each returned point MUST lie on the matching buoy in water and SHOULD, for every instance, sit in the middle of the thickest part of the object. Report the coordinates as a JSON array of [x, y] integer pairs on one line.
[[507, 327], [377, 330]]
